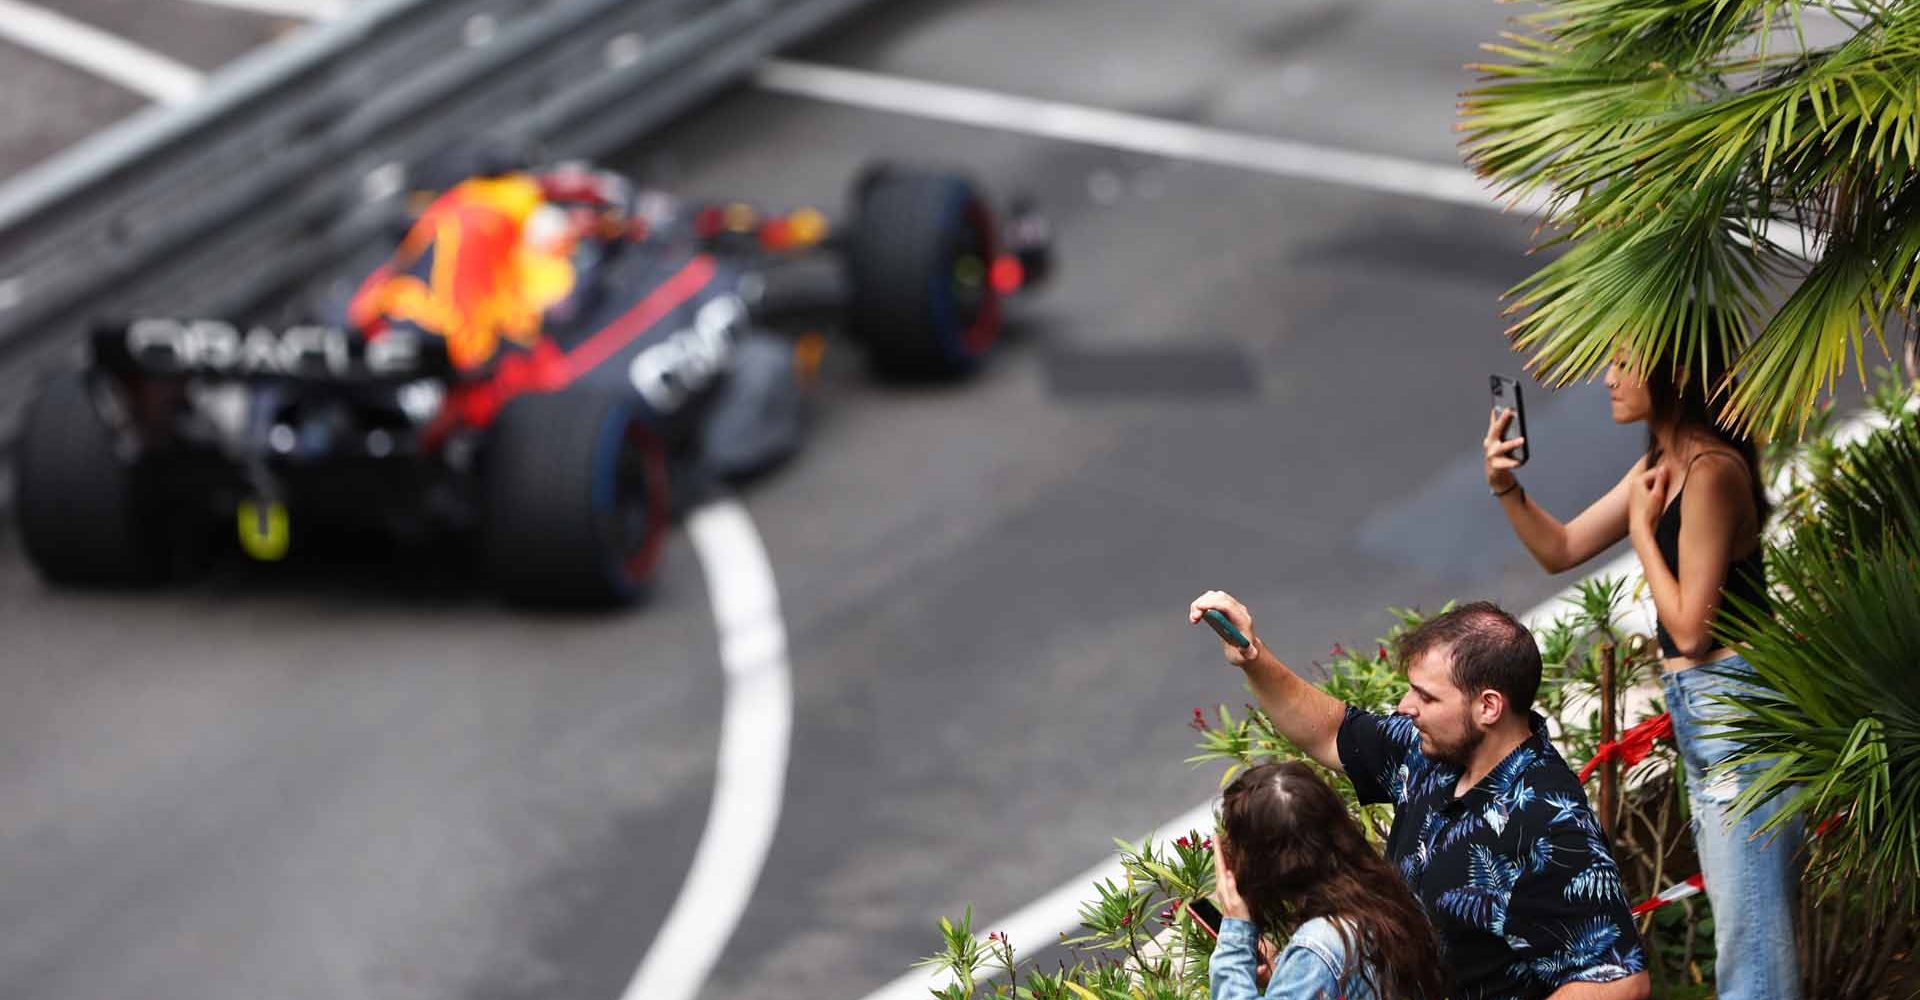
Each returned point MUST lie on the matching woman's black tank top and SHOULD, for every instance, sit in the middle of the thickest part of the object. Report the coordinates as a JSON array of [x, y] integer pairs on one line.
[[1746, 578]]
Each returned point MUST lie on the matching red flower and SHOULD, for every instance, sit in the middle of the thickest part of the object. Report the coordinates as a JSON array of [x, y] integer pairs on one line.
[[1199, 720], [1338, 650], [1183, 842], [1383, 654]]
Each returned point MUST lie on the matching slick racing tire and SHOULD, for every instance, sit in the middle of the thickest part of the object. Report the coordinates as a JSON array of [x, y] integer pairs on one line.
[[919, 261], [575, 500], [90, 513]]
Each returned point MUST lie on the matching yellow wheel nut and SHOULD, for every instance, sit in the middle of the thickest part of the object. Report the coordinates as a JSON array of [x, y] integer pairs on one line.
[[264, 532]]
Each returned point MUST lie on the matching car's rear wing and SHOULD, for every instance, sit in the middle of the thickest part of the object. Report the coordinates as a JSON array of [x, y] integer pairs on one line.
[[216, 348]]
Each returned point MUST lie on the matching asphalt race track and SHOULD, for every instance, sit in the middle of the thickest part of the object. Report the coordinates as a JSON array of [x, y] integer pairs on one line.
[[366, 779]]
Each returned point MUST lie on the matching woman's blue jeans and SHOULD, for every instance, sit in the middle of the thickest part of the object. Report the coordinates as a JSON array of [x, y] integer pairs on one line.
[[1752, 881]]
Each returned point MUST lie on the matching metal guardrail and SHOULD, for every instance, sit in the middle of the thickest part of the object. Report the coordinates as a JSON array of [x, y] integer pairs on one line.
[[294, 158]]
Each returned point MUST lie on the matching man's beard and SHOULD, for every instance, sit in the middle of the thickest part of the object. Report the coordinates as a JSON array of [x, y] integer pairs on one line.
[[1455, 754]]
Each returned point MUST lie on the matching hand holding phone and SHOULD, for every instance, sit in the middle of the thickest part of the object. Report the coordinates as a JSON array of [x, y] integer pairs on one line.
[[1506, 395], [1231, 621]]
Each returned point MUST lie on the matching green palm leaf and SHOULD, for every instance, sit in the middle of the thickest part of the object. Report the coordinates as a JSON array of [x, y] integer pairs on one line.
[[1675, 141], [1839, 733]]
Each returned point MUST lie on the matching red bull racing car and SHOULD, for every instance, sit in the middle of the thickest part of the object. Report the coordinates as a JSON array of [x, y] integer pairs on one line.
[[546, 365]]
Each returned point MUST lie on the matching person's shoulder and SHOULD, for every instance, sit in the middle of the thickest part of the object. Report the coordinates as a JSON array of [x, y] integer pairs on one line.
[[1718, 472], [1322, 936], [1393, 728], [1556, 788], [1318, 929]]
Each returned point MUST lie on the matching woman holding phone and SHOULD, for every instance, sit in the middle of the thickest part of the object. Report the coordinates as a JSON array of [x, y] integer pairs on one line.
[[1694, 507], [1289, 853]]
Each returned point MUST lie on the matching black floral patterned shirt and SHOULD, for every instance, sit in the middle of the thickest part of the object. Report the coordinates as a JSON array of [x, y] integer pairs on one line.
[[1515, 874]]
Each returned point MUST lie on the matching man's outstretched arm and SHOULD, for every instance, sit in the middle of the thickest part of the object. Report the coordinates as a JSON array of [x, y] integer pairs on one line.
[[1308, 717]]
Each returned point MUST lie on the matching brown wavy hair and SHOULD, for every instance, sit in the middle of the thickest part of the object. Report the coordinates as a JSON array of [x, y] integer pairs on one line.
[[1296, 854]]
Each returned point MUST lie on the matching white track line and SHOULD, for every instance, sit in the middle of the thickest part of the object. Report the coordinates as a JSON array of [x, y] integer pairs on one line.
[[1134, 133], [1175, 140], [1040, 924], [304, 10], [752, 771], [104, 55]]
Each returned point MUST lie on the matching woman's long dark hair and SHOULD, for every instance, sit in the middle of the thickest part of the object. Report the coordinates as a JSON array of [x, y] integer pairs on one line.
[[1688, 401], [1295, 855]]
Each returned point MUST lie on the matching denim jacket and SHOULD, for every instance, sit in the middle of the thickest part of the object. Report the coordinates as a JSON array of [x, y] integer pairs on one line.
[[1309, 968]]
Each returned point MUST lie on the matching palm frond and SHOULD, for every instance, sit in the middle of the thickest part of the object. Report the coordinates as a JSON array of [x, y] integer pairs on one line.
[[1669, 138], [1844, 297], [1642, 289], [1838, 734]]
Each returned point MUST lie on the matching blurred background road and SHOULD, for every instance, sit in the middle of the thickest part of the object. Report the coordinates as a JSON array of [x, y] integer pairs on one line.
[[370, 780]]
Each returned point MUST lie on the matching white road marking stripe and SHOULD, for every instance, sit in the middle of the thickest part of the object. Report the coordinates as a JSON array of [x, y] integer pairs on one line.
[[1134, 133], [104, 55], [752, 771], [305, 10], [1176, 140], [1040, 924]]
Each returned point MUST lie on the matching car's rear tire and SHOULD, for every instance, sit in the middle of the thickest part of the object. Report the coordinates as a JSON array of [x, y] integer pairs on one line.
[[919, 256], [575, 500], [90, 513]]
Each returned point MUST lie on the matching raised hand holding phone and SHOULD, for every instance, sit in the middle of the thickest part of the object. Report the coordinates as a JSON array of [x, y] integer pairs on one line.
[[1507, 432], [1230, 620]]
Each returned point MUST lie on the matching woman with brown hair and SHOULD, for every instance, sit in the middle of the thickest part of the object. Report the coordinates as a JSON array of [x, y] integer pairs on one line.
[[1290, 855]]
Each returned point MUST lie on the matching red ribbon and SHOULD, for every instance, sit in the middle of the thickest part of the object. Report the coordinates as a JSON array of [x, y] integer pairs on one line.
[[1672, 894], [1633, 745]]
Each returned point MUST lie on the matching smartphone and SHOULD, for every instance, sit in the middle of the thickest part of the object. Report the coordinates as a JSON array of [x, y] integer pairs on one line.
[[1506, 394], [1224, 628], [1206, 913]]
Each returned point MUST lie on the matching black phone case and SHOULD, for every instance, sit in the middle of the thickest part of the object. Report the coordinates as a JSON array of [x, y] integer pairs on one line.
[[1206, 912], [1506, 393]]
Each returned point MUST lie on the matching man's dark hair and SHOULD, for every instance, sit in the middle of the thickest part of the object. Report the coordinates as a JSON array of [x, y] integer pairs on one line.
[[1491, 650]]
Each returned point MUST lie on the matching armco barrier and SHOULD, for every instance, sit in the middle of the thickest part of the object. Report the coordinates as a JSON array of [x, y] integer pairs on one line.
[[296, 154]]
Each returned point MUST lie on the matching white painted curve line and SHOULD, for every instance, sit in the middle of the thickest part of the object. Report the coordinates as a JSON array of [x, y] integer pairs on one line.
[[752, 772], [1134, 133], [1040, 924], [302, 10], [104, 55]]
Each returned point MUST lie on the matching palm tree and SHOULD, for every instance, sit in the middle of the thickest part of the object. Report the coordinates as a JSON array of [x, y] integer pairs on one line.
[[1702, 162]]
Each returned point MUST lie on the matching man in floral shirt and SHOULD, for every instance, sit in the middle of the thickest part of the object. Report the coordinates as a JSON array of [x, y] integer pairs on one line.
[[1491, 829]]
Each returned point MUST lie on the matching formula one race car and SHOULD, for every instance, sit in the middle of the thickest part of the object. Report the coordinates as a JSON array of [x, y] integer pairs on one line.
[[544, 365]]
